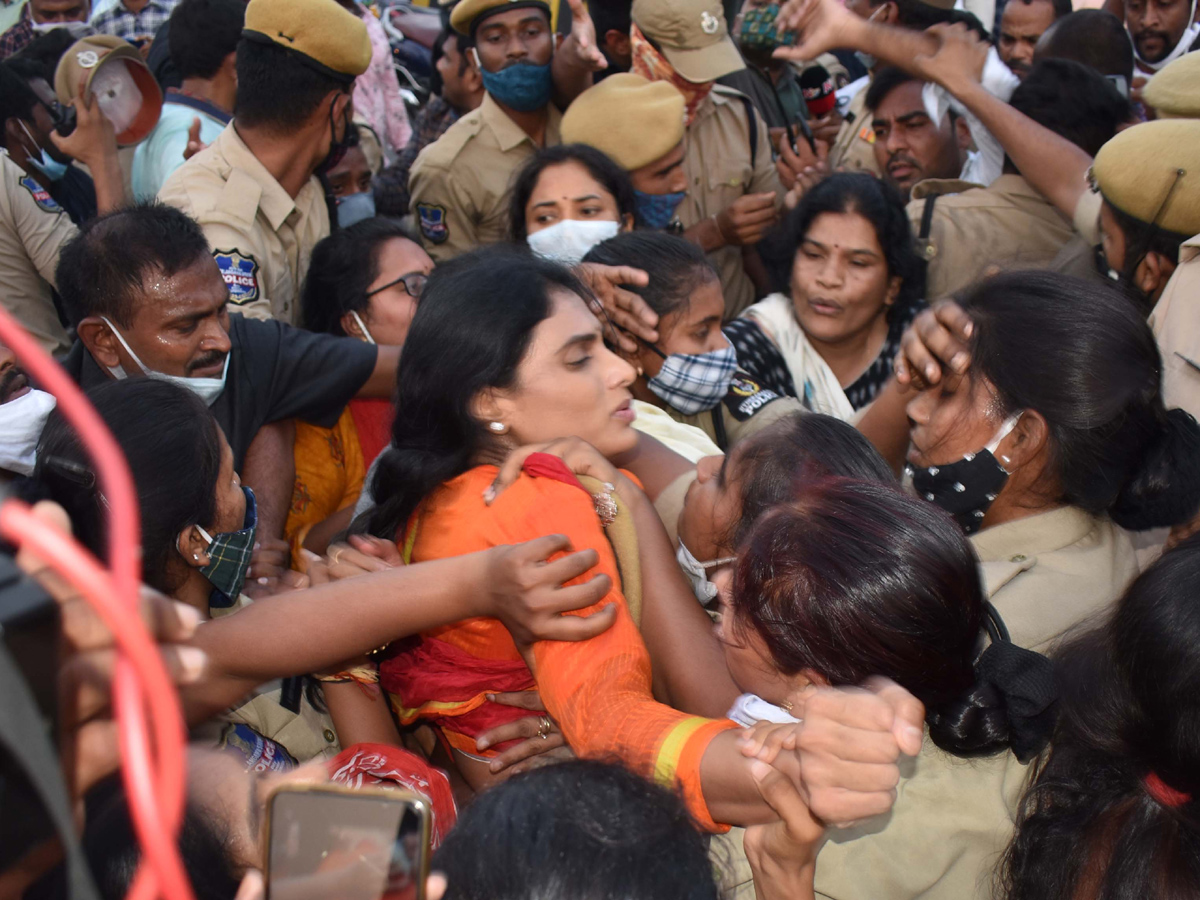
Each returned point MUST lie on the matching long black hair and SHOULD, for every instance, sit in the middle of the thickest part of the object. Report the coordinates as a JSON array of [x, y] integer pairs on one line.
[[877, 202], [173, 446], [1081, 355], [610, 176], [471, 330], [1129, 723], [343, 267]]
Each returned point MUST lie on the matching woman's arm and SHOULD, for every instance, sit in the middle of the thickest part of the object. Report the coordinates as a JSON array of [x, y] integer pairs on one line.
[[655, 464]]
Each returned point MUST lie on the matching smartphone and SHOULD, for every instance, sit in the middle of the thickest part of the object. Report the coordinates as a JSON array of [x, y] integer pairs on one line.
[[328, 842]]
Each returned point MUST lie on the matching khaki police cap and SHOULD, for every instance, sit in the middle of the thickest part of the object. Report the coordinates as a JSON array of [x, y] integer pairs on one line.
[[1175, 91], [467, 13], [77, 70], [632, 120], [322, 34], [1152, 173], [692, 35]]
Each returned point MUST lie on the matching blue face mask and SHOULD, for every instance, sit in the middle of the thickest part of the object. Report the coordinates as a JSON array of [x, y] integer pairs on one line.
[[354, 208], [522, 87], [656, 210], [43, 161]]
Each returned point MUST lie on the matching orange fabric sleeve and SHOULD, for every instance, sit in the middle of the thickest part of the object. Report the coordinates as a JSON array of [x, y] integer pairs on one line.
[[599, 690]]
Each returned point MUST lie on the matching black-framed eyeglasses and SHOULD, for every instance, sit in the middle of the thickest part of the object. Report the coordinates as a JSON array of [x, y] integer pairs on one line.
[[413, 282]]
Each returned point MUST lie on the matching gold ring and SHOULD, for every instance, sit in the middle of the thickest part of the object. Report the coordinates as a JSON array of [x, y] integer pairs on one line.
[[545, 725], [334, 556]]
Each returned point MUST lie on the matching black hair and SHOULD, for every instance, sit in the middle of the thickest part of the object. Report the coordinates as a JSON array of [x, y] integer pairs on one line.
[[611, 15], [39, 58], [471, 330], [918, 16], [775, 463], [856, 578], [1090, 825], [437, 52], [203, 33], [342, 269], [1061, 7], [873, 199], [205, 846], [1074, 101], [581, 830], [885, 80], [1094, 37], [17, 99], [101, 271], [676, 267], [276, 90], [1080, 354], [610, 176], [173, 446]]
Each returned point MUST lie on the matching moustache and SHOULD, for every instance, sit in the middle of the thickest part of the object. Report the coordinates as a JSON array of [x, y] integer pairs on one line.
[[13, 379], [903, 158], [212, 358]]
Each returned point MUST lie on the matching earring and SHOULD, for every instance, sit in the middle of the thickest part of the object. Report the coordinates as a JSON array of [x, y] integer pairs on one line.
[[640, 371], [497, 427], [196, 557]]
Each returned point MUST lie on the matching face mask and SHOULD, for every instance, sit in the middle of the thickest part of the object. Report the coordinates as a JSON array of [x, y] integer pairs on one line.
[[522, 86], [967, 488], [656, 210], [21, 423], [207, 389], [697, 573], [229, 554], [42, 160], [75, 29], [354, 208], [363, 327], [758, 30], [569, 241], [692, 383]]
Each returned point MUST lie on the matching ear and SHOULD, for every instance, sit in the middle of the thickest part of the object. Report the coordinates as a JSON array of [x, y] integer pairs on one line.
[[616, 42], [1152, 273], [350, 325], [627, 223], [962, 133], [890, 15], [193, 547], [490, 405], [99, 340], [230, 65], [1025, 442], [893, 291]]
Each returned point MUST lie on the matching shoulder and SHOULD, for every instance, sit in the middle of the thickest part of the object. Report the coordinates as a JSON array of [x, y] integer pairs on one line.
[[943, 189], [27, 191], [442, 153], [747, 397], [730, 105]]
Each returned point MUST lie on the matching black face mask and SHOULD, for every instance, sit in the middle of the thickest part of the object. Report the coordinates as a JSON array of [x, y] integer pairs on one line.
[[337, 149], [1123, 280], [967, 488]]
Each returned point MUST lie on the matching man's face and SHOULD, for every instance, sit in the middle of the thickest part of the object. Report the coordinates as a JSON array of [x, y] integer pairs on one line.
[[180, 324], [514, 37], [352, 175], [1156, 26], [1020, 27], [460, 82], [663, 176], [14, 382], [44, 11], [909, 146]]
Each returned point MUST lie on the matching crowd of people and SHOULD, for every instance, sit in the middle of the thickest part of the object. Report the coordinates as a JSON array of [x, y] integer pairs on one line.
[[704, 449]]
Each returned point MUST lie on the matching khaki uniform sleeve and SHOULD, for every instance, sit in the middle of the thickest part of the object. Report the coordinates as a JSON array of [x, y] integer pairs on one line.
[[42, 232], [765, 177], [1087, 216], [441, 202]]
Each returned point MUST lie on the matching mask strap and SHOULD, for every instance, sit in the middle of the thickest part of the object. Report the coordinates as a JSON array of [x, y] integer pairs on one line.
[[204, 534], [649, 346], [128, 349], [1009, 424], [362, 325], [29, 134]]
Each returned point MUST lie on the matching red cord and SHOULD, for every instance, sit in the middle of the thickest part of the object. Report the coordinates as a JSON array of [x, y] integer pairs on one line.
[[154, 781]]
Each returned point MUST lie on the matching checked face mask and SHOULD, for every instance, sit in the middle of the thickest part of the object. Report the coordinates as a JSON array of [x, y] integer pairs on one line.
[[694, 382], [229, 555]]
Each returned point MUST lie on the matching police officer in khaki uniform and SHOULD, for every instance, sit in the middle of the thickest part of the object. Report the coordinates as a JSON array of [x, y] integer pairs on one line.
[[32, 230], [459, 184], [734, 192], [254, 190]]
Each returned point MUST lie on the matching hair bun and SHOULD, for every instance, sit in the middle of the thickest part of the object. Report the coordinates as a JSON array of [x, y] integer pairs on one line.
[[1165, 490]]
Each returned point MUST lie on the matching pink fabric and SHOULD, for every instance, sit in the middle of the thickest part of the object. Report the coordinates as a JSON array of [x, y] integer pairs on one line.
[[377, 93]]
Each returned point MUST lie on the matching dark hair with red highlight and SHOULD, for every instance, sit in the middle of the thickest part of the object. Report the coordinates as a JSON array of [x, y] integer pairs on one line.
[[855, 579]]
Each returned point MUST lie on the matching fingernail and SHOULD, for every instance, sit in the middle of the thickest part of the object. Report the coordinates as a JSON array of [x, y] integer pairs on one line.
[[969, 328], [489, 494], [916, 735], [264, 580], [482, 744], [192, 661], [308, 554], [257, 545], [759, 769], [930, 372], [189, 618], [959, 362], [491, 697]]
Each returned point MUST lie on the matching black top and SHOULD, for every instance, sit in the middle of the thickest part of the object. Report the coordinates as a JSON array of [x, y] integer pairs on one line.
[[75, 192], [275, 372]]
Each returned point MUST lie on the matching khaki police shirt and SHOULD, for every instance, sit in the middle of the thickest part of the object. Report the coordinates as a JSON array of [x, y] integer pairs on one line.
[[1176, 324], [261, 238], [33, 229], [459, 185], [719, 171], [854, 147], [1008, 224]]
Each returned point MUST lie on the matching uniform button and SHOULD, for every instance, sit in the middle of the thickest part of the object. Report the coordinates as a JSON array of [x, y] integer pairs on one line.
[[1020, 557], [330, 737]]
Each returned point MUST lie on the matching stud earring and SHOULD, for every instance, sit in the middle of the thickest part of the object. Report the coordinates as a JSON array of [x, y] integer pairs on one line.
[[497, 427], [196, 557], [640, 371]]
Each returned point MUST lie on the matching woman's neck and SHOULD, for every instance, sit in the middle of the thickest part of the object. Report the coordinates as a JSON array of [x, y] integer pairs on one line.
[[195, 592], [850, 356]]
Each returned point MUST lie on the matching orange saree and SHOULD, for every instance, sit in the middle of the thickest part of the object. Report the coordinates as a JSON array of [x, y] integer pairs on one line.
[[597, 690]]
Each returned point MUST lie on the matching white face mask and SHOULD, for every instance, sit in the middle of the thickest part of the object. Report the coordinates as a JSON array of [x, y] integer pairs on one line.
[[207, 389], [569, 241], [21, 423], [75, 29], [697, 574]]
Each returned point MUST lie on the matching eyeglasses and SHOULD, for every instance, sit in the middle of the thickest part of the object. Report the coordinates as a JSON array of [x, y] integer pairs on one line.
[[413, 282]]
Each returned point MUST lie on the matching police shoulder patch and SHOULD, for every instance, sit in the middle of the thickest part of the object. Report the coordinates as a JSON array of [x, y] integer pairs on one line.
[[867, 133], [240, 272], [433, 222], [40, 195], [746, 396]]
